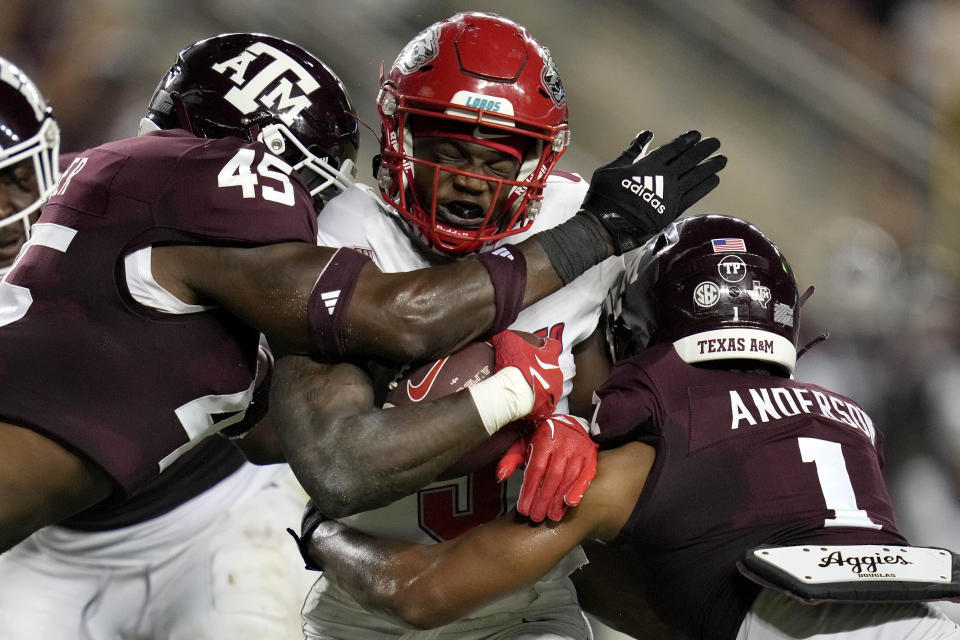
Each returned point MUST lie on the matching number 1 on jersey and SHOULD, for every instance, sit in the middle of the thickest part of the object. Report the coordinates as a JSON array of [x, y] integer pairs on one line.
[[835, 483]]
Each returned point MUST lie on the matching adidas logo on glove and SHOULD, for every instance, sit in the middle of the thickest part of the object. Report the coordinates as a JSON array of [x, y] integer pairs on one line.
[[649, 188]]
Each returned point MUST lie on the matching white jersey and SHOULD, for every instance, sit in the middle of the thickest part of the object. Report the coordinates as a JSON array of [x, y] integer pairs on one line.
[[216, 566], [359, 219]]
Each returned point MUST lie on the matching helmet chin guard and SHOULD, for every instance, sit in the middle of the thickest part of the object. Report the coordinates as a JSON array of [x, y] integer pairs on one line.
[[483, 79]]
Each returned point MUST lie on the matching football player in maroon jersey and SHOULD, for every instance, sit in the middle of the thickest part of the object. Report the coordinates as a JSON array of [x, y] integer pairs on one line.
[[184, 533], [207, 531], [740, 503], [159, 260]]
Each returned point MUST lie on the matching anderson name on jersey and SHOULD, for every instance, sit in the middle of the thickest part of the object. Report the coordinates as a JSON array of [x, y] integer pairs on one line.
[[742, 460]]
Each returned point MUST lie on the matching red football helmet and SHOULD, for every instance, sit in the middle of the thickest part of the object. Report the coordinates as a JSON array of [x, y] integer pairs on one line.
[[27, 132], [258, 87], [714, 286], [486, 78]]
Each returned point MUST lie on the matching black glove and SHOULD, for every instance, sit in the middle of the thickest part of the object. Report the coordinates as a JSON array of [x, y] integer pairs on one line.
[[311, 520], [637, 195]]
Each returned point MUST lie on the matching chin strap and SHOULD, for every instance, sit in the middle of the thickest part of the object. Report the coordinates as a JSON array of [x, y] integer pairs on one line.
[[183, 117], [820, 338], [312, 518]]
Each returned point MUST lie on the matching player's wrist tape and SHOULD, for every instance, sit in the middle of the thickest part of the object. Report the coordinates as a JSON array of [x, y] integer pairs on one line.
[[502, 398], [312, 518], [329, 299], [508, 271], [574, 246]]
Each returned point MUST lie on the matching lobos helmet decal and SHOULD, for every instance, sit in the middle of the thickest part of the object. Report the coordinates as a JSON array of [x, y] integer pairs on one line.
[[419, 51], [551, 80]]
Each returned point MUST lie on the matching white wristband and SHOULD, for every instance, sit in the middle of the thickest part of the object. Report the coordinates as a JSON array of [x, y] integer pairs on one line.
[[502, 398]]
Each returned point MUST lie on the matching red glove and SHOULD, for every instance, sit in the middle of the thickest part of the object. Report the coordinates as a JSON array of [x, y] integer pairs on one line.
[[561, 462], [515, 457], [539, 364]]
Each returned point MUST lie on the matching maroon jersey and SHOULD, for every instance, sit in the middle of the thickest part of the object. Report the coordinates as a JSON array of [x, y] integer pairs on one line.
[[200, 468], [742, 460], [81, 362]]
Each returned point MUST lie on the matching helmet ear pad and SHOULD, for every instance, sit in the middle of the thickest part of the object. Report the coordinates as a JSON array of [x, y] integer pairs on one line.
[[260, 88], [718, 289]]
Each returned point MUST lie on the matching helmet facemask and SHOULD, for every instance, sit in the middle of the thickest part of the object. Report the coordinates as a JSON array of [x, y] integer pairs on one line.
[[324, 179], [516, 199], [483, 79], [29, 133]]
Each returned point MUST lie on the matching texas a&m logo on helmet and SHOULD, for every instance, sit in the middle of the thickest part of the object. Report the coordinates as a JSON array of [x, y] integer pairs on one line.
[[258, 87], [706, 284], [266, 76]]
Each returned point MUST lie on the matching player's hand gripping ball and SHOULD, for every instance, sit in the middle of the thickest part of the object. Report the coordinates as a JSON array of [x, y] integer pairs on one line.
[[453, 373]]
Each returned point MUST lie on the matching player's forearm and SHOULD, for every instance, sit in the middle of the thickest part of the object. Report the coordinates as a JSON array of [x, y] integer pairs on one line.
[[542, 279], [309, 299], [419, 315], [427, 586], [41, 482], [431, 585], [425, 314], [381, 456], [351, 457], [374, 571], [436, 584]]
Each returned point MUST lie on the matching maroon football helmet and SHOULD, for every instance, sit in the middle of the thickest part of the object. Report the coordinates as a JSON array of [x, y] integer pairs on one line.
[[27, 132], [714, 286], [258, 87], [486, 78]]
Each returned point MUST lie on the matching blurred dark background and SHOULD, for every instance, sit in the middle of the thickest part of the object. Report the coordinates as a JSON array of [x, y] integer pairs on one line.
[[841, 119]]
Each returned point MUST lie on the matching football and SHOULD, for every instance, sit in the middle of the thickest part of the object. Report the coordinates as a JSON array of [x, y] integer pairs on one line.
[[448, 375]]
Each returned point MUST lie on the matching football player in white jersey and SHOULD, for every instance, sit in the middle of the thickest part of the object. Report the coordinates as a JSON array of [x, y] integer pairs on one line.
[[474, 119]]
